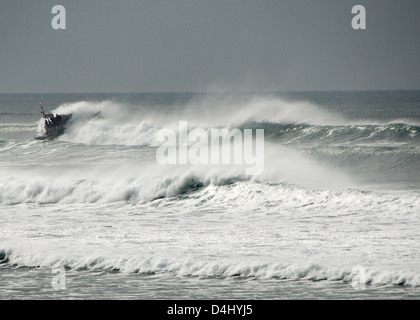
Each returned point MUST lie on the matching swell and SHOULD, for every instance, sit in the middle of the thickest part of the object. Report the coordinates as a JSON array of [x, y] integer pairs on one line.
[[353, 134]]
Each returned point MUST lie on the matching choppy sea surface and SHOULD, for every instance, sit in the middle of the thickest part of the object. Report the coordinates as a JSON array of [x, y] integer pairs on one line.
[[335, 214]]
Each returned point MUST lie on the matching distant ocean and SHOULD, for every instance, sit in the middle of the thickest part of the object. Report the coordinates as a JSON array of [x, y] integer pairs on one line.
[[92, 215]]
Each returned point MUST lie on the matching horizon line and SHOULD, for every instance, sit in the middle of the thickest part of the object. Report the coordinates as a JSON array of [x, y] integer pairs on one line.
[[209, 92]]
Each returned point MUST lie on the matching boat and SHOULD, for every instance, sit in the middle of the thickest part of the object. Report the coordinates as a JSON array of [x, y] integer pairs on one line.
[[54, 125]]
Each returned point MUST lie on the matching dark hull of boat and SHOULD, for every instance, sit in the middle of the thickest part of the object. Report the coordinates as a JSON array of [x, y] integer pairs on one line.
[[52, 131]]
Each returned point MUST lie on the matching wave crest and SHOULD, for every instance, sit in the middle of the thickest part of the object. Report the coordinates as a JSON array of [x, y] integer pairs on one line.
[[112, 123], [192, 267]]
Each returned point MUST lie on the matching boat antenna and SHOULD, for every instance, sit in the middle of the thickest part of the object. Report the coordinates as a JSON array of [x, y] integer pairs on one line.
[[42, 108]]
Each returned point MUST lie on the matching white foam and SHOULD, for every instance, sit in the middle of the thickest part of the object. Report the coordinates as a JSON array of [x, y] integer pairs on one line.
[[216, 268], [130, 125], [145, 181]]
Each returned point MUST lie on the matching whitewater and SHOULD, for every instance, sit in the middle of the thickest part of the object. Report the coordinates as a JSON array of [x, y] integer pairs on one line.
[[334, 215]]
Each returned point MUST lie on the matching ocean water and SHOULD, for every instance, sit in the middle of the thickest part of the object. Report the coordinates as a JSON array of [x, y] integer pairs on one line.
[[335, 214]]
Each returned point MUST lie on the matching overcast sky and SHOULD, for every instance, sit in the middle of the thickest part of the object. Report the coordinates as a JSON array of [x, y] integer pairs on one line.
[[205, 45]]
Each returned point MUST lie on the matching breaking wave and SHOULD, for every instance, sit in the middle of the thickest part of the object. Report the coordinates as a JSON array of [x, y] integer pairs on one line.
[[146, 180], [193, 267], [285, 187], [113, 123], [93, 178]]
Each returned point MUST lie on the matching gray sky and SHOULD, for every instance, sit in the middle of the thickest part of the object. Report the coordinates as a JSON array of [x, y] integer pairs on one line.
[[207, 45]]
